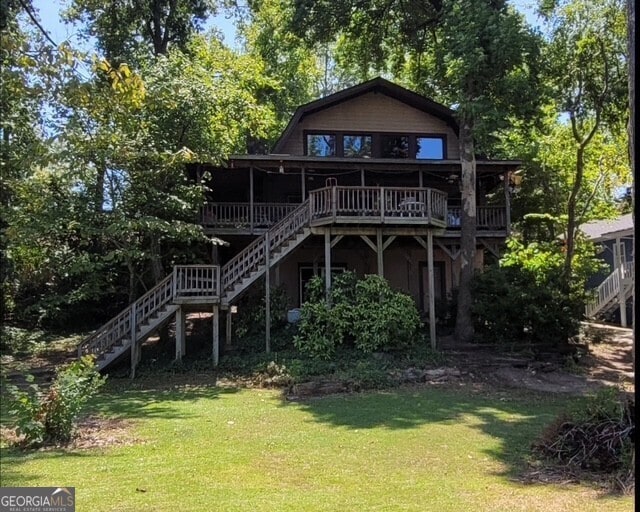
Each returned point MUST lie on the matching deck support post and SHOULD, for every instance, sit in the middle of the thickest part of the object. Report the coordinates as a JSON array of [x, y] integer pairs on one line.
[[619, 264], [507, 202], [134, 345], [267, 294], [303, 186], [227, 339], [327, 262], [251, 220], [216, 334], [432, 298], [420, 180], [362, 181], [380, 252], [181, 345]]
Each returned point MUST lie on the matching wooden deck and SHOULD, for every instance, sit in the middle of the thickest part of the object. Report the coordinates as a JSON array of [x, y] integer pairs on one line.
[[354, 206]]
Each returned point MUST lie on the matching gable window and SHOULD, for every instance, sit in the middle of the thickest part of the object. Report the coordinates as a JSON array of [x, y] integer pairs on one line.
[[429, 148], [321, 144], [394, 146], [356, 145]]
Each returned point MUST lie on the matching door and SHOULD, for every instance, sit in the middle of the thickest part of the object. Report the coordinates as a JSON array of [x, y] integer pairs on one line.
[[438, 283]]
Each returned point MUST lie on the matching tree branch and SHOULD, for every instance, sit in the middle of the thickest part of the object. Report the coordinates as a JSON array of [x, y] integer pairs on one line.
[[37, 23]]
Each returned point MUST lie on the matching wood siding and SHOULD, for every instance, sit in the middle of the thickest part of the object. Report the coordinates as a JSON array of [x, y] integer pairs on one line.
[[372, 113], [401, 264]]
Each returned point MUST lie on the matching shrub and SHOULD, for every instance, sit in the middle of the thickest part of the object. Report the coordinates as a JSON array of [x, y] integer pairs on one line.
[[367, 313], [48, 417], [527, 298], [250, 318], [320, 330], [382, 319]]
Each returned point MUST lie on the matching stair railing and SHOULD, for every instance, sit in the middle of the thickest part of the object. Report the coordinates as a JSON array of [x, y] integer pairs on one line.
[[125, 323], [251, 257], [608, 289]]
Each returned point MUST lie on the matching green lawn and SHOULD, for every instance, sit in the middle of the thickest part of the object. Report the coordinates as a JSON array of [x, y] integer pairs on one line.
[[216, 449]]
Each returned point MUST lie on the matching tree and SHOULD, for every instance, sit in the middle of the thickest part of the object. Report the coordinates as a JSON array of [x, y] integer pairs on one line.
[[127, 30], [479, 56], [586, 59], [549, 160], [114, 206], [28, 65]]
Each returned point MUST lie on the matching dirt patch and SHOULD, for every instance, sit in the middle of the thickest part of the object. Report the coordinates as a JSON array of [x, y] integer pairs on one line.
[[92, 432], [607, 361]]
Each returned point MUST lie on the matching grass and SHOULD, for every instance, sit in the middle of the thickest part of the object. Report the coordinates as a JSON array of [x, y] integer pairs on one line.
[[202, 448]]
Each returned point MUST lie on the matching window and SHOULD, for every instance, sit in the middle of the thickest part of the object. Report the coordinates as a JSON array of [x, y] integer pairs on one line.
[[321, 144], [306, 273], [376, 145], [431, 148], [356, 145], [394, 146]]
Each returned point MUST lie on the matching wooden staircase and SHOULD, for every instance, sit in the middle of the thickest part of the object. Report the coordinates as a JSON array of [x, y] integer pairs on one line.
[[210, 284], [606, 298], [268, 249], [195, 284]]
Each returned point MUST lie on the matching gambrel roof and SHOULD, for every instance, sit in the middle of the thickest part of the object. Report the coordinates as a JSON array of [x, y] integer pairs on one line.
[[377, 85]]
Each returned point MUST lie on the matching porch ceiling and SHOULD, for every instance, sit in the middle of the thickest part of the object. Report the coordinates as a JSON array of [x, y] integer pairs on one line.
[[288, 162]]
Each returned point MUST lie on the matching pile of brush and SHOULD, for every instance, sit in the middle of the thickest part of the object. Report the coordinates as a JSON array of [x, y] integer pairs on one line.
[[597, 439]]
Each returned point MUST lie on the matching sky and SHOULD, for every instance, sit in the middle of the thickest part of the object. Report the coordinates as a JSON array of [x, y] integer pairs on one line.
[[49, 14]]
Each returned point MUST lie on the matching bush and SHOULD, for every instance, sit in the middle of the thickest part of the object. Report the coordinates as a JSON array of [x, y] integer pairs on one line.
[[366, 313], [48, 417], [527, 298], [382, 319], [249, 322]]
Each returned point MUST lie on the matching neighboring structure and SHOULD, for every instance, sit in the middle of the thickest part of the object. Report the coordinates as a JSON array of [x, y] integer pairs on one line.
[[614, 290], [366, 179]]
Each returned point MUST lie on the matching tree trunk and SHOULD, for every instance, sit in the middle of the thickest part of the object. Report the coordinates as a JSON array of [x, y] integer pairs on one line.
[[156, 260], [158, 275], [571, 215], [132, 281], [631, 34], [99, 190], [464, 323]]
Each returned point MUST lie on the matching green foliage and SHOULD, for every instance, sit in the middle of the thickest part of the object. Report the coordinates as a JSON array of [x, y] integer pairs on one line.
[[49, 416], [382, 319], [525, 297], [321, 331], [293, 67], [364, 312], [548, 170], [250, 318], [133, 29], [116, 208]]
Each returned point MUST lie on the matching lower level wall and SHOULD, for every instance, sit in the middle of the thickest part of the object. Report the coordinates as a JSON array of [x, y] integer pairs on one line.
[[405, 264]]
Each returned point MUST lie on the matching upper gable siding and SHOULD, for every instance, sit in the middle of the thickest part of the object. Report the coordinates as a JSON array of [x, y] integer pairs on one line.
[[372, 112]]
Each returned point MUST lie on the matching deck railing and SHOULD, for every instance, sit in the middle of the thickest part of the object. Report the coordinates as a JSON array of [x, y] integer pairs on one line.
[[608, 290], [487, 217], [239, 215], [356, 202], [196, 281], [254, 255], [125, 324], [184, 281], [380, 204]]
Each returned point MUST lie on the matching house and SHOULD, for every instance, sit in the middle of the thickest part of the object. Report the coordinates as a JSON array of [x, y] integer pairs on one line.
[[366, 179], [613, 295]]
